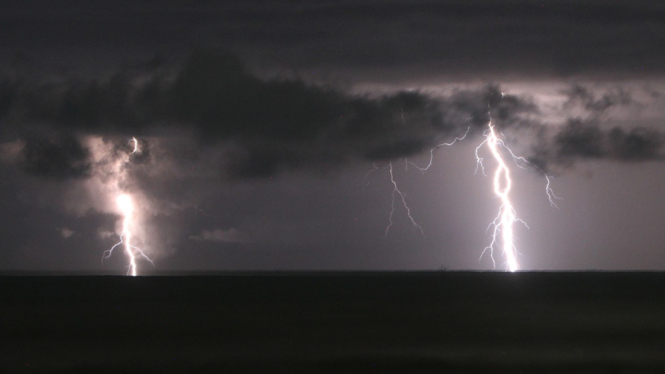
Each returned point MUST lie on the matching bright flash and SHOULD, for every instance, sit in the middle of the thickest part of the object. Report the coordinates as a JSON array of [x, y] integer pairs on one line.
[[503, 235], [503, 223], [125, 204], [136, 145]]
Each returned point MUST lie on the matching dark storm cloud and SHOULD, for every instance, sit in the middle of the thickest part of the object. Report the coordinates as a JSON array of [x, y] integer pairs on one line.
[[360, 128], [586, 135], [57, 157], [267, 126], [587, 140], [8, 91], [635, 145], [579, 95], [579, 139]]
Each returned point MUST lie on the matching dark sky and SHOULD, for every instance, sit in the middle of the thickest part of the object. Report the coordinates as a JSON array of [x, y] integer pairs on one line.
[[267, 132]]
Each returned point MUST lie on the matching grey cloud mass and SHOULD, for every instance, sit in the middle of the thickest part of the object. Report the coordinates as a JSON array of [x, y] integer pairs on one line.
[[578, 95], [586, 140], [58, 157], [271, 125], [267, 126]]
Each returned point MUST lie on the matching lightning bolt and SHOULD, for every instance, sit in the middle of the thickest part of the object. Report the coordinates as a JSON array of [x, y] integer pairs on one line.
[[504, 221], [397, 192], [125, 204], [402, 195], [136, 145], [503, 225], [431, 152]]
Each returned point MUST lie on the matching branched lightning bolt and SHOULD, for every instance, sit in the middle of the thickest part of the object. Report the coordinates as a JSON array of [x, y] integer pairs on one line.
[[126, 206], [373, 169], [431, 152], [402, 195], [502, 225]]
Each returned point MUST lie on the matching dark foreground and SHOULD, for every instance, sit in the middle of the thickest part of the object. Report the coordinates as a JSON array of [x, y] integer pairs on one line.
[[443, 322]]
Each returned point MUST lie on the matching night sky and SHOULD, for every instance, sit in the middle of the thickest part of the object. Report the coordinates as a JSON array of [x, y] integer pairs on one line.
[[267, 131]]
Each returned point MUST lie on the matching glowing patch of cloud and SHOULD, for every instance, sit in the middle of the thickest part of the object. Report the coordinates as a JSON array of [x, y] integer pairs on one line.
[[231, 235], [65, 232]]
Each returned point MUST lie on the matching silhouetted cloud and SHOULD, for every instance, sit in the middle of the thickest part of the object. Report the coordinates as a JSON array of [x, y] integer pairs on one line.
[[267, 126], [580, 140], [8, 92], [638, 144], [57, 157], [580, 95]]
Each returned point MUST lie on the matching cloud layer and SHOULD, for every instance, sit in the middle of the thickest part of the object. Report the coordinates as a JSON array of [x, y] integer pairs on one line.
[[265, 127]]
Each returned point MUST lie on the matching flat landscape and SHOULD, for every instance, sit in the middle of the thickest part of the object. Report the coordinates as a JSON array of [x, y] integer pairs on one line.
[[354, 322]]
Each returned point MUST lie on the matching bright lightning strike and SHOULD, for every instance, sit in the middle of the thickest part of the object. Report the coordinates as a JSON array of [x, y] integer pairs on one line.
[[507, 216], [125, 205], [503, 225], [136, 145]]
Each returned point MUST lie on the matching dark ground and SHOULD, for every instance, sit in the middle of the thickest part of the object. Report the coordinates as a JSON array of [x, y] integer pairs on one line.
[[439, 322]]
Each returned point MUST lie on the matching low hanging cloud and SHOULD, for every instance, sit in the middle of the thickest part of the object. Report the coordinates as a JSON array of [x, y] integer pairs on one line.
[[586, 135], [580, 96], [579, 140], [264, 127], [57, 157]]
